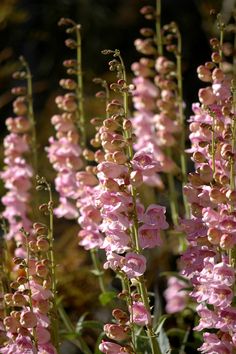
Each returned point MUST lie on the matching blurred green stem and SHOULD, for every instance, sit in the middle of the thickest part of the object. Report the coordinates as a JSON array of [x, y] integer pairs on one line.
[[79, 89], [181, 120], [31, 112], [98, 268]]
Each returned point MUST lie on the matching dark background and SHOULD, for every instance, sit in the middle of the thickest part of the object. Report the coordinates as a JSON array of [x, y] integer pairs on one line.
[[29, 28]]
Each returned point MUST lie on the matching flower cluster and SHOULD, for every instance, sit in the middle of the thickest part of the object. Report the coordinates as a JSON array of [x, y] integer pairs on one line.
[[127, 227], [155, 99], [18, 172], [64, 151], [210, 257], [29, 304]]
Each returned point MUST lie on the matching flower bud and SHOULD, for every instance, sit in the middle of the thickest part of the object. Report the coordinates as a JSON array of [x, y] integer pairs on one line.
[[206, 96], [120, 315], [216, 58], [214, 235], [227, 241], [115, 331], [28, 319], [19, 299]]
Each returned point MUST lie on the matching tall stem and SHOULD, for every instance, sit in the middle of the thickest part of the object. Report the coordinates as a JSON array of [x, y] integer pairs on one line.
[[55, 330], [28, 281], [150, 333], [97, 266], [31, 112], [172, 194], [79, 89], [181, 120], [158, 27], [232, 165], [213, 144]]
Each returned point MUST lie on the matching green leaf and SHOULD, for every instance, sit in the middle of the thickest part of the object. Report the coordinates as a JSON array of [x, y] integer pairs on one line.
[[107, 297], [92, 324], [160, 323], [176, 332], [163, 342], [96, 272], [79, 324]]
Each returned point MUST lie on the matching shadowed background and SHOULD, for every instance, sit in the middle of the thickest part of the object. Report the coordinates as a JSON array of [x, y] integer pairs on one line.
[[29, 28]]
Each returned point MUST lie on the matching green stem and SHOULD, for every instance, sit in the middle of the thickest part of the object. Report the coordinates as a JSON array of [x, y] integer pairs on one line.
[[232, 165], [28, 281], [158, 27], [213, 144], [107, 99], [173, 196], [80, 343], [150, 332], [181, 120], [126, 286], [79, 90], [97, 266], [221, 26], [55, 330], [31, 112]]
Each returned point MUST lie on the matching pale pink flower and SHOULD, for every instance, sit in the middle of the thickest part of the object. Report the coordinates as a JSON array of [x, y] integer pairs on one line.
[[134, 265], [139, 314], [149, 236], [175, 295], [111, 348]]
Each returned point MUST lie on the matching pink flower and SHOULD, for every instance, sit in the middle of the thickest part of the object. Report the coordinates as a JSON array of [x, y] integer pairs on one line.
[[214, 345], [149, 236], [90, 239], [176, 297], [139, 314], [114, 261], [66, 209], [208, 318], [111, 169], [145, 162], [111, 348], [155, 215], [134, 265]]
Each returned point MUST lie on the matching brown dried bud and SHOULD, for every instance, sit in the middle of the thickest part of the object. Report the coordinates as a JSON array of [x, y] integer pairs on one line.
[[216, 58], [70, 63], [20, 90], [71, 43], [147, 32]]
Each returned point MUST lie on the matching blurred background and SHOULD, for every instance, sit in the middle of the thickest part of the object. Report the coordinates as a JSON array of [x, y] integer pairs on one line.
[[29, 28]]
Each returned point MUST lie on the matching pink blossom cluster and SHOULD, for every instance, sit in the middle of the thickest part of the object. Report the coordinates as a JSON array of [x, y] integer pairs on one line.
[[121, 214], [27, 324], [89, 220], [175, 295], [17, 175], [209, 259], [120, 330], [156, 120], [64, 153]]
